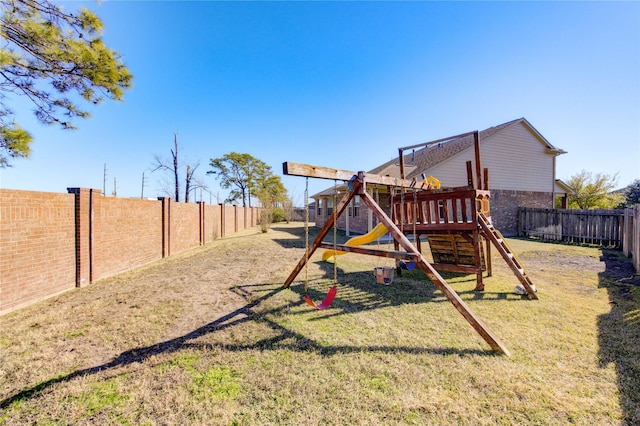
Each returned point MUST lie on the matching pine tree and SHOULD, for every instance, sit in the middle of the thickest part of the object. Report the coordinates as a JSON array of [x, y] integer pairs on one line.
[[55, 59]]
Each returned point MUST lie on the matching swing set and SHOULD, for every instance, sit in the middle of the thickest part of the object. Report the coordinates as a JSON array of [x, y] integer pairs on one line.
[[455, 220]]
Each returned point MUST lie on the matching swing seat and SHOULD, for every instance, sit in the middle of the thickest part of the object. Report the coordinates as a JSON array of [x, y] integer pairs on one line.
[[328, 300], [383, 274], [409, 266]]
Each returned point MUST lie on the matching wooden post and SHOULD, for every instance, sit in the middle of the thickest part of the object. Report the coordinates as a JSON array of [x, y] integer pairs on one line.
[[477, 254], [436, 278], [401, 157], [476, 147], [486, 179]]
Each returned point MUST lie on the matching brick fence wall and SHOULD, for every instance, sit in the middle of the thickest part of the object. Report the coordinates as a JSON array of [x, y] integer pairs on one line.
[[51, 242], [126, 233], [37, 249]]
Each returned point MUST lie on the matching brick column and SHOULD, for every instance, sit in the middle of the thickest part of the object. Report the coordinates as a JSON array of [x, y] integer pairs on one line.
[[84, 229], [222, 219], [166, 226], [235, 218], [201, 222]]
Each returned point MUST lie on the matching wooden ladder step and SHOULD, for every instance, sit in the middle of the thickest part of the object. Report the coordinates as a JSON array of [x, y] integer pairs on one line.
[[496, 237]]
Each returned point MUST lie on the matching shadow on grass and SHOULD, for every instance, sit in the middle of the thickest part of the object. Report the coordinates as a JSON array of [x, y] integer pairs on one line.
[[358, 292], [285, 339], [619, 331], [419, 290]]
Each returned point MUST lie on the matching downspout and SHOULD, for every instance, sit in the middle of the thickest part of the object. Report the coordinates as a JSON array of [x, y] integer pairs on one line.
[[553, 183]]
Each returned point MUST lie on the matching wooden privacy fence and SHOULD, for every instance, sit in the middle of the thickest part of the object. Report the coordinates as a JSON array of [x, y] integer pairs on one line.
[[608, 228], [631, 235], [598, 227]]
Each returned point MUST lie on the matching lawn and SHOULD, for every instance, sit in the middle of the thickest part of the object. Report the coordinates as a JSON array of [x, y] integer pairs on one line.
[[210, 337]]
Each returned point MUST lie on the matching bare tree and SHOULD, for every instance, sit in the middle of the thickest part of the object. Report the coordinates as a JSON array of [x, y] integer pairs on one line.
[[188, 181], [171, 165], [196, 184]]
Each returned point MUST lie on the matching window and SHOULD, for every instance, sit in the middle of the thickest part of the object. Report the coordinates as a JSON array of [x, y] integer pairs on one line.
[[329, 206], [319, 211], [355, 206]]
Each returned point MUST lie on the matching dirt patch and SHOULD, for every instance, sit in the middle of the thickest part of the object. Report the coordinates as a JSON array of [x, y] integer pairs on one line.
[[619, 268], [148, 306]]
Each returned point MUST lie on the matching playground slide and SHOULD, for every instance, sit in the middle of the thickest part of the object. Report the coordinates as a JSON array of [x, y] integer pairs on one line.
[[369, 237]]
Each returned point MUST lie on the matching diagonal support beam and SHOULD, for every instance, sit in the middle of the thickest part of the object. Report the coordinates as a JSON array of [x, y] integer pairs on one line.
[[435, 277]]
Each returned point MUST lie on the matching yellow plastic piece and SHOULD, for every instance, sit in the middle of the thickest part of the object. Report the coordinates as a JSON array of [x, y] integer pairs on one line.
[[431, 182], [369, 237]]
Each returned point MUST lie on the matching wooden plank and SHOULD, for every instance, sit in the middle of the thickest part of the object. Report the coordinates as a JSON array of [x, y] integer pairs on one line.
[[421, 212], [476, 147], [454, 249], [307, 170], [449, 267], [428, 210], [424, 227], [391, 254]]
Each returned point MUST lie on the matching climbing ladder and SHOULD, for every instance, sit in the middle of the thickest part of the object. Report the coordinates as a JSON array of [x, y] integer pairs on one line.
[[493, 235]]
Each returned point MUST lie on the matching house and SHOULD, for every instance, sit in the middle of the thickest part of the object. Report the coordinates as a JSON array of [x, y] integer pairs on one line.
[[521, 167]]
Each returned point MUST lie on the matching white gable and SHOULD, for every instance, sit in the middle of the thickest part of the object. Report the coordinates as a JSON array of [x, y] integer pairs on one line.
[[517, 159]]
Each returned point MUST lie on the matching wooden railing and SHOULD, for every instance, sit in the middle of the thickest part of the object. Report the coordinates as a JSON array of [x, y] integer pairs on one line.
[[448, 209]]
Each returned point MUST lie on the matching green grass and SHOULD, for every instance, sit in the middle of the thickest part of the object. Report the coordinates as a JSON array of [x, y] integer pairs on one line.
[[235, 349]]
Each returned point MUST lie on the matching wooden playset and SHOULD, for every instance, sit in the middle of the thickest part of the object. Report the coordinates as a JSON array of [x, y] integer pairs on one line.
[[456, 221]]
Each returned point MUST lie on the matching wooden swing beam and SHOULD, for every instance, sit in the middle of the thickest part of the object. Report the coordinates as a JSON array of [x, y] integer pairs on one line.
[[357, 185]]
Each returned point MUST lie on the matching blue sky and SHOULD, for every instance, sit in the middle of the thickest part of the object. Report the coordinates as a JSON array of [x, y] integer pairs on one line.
[[344, 84]]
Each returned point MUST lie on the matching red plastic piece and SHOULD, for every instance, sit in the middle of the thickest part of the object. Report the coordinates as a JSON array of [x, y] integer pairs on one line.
[[327, 300]]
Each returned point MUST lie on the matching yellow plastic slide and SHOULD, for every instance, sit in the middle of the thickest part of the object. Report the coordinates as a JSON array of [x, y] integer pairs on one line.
[[369, 237]]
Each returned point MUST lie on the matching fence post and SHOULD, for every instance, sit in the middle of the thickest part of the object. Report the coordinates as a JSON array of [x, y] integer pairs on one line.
[[627, 231], [223, 223], [201, 221], [166, 225], [635, 245], [84, 229]]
